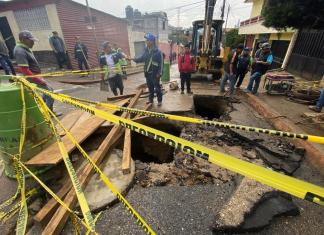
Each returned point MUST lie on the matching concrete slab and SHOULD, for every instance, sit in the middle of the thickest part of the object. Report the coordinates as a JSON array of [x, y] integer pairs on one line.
[[175, 102], [97, 193]]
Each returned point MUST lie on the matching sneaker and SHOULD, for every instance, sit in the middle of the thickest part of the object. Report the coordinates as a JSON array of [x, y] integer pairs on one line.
[[247, 91], [189, 92], [149, 102], [315, 109], [159, 104], [57, 114], [182, 92]]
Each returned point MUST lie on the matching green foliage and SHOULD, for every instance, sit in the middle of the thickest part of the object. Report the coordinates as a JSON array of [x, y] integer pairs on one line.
[[232, 38], [298, 14]]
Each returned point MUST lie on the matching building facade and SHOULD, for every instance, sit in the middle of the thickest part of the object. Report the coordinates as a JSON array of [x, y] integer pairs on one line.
[[69, 19], [254, 32], [139, 24]]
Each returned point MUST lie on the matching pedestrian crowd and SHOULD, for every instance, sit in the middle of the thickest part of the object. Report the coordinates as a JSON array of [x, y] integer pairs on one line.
[[113, 61]]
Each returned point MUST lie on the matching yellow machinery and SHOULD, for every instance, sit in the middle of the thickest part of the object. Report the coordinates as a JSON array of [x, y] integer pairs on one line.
[[206, 44]]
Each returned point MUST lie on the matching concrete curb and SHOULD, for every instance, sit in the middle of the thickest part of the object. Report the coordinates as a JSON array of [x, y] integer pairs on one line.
[[315, 157]]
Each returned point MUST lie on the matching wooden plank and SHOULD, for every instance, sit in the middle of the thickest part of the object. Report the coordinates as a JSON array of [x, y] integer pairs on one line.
[[127, 158], [313, 115], [47, 210], [118, 97], [69, 120], [52, 155], [60, 217], [114, 98], [82, 119]]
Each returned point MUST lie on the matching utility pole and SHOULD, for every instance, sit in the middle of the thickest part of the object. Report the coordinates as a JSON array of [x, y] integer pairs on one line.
[[178, 24], [228, 10], [223, 9], [93, 28]]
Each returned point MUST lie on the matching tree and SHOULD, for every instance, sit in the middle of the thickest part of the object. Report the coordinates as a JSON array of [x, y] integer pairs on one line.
[[232, 38], [297, 14]]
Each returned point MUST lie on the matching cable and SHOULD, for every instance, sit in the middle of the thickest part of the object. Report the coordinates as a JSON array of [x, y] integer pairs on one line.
[[175, 8]]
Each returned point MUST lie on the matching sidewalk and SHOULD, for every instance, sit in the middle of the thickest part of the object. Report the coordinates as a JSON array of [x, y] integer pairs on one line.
[[286, 116]]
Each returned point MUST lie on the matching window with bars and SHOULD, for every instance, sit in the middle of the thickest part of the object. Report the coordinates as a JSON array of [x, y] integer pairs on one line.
[[33, 19]]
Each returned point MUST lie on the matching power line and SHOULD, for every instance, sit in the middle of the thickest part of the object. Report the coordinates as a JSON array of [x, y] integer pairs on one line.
[[185, 11], [182, 6]]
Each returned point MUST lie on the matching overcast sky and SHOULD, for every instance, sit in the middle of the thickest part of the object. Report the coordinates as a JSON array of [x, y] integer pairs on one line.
[[240, 10]]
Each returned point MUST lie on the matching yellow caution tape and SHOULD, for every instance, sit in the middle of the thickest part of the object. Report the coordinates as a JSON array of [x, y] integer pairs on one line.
[[75, 72], [5, 216], [75, 181], [48, 190], [104, 178], [310, 138], [23, 211], [293, 186]]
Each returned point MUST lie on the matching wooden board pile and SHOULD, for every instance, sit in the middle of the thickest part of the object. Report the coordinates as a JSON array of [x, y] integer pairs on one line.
[[82, 125]]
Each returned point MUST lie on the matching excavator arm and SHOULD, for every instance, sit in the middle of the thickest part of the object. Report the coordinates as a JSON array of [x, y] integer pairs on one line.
[[209, 12]]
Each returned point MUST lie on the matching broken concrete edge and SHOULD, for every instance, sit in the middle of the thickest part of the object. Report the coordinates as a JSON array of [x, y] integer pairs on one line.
[[217, 228], [314, 155], [74, 81]]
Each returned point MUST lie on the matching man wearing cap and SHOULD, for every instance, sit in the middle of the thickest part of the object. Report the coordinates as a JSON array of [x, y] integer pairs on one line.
[[153, 68], [59, 49], [28, 65], [243, 66], [261, 66], [110, 61], [230, 69]]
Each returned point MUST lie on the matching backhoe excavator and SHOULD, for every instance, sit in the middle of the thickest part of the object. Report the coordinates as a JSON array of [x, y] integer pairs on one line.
[[206, 44]]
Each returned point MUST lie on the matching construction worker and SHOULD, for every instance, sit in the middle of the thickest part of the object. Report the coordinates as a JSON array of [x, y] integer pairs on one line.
[[123, 63], [230, 69], [110, 61], [153, 67], [28, 65], [59, 50], [186, 64], [257, 55], [319, 104], [5, 61], [261, 66], [81, 54], [243, 66]]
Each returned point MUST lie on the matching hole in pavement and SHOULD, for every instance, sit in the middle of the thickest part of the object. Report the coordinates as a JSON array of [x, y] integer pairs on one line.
[[209, 106], [148, 150]]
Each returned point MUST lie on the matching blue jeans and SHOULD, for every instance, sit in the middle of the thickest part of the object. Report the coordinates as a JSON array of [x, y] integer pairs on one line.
[[153, 85], [256, 79], [232, 80], [6, 64], [320, 102], [48, 99]]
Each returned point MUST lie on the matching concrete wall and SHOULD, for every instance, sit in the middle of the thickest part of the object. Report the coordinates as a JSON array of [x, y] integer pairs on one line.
[[134, 36], [256, 8], [258, 28], [42, 35]]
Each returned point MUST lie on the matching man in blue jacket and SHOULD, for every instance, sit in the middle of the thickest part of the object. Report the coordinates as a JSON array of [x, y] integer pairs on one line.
[[153, 59]]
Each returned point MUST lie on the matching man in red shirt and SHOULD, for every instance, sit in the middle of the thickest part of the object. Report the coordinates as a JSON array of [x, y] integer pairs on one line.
[[186, 65], [28, 65]]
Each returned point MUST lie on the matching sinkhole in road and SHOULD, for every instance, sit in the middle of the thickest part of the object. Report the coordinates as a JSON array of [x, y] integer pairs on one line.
[[148, 150], [209, 106]]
